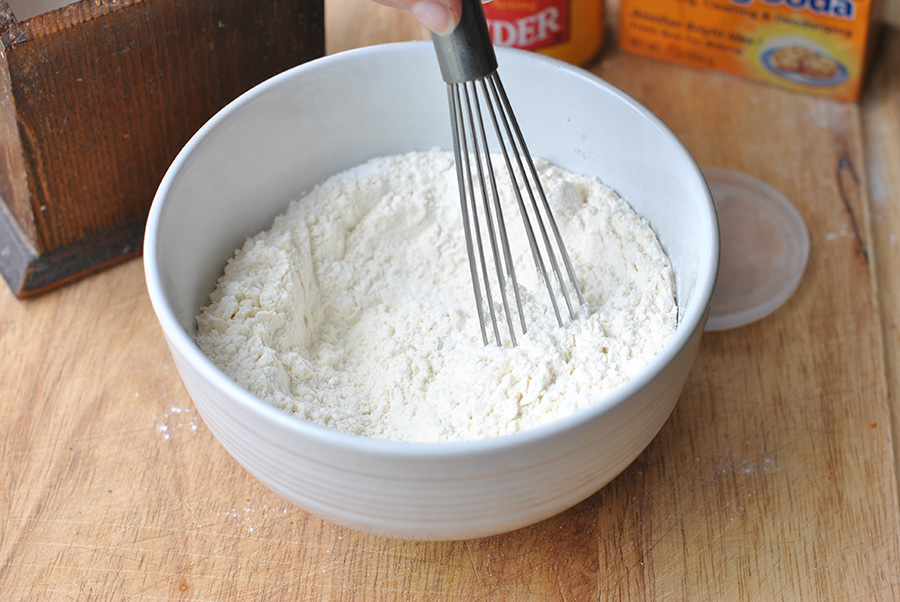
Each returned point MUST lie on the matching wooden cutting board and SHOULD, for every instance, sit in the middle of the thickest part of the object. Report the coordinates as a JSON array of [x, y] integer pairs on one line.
[[774, 479]]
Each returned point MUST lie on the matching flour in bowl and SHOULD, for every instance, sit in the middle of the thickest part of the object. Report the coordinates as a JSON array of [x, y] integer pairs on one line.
[[355, 310]]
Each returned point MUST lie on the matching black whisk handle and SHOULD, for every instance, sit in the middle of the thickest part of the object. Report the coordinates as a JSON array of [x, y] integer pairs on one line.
[[467, 54]]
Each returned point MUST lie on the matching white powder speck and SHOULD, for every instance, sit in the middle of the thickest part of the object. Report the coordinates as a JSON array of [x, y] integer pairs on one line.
[[174, 420], [355, 310]]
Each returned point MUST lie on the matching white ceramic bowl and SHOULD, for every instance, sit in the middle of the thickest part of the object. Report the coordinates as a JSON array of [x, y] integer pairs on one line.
[[296, 129]]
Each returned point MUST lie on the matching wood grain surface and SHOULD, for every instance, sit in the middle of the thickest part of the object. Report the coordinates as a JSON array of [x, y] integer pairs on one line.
[[774, 479], [881, 121]]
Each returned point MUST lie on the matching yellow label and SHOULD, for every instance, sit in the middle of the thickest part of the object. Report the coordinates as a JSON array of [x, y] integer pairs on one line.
[[570, 30], [816, 46]]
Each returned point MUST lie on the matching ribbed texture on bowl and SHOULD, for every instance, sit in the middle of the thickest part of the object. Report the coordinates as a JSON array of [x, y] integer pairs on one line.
[[468, 496]]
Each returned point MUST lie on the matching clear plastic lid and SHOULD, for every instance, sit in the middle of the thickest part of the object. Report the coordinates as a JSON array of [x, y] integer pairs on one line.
[[764, 249]]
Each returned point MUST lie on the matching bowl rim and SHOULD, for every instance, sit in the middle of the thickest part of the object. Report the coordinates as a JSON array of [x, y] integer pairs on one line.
[[688, 324]]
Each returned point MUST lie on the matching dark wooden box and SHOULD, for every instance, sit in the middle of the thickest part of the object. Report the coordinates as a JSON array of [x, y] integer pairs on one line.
[[97, 98]]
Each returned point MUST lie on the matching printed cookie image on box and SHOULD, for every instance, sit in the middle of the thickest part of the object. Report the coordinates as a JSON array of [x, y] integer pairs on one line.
[[802, 62]]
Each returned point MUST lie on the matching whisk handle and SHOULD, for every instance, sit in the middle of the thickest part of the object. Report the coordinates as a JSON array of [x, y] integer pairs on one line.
[[467, 54]]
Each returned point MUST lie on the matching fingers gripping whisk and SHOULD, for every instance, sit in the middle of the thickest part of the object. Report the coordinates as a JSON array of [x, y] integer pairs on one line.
[[483, 124]]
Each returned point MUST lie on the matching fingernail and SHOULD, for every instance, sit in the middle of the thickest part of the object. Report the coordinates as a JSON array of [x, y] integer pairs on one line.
[[435, 16]]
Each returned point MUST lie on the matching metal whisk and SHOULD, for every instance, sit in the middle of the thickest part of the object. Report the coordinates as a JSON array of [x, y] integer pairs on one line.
[[469, 67]]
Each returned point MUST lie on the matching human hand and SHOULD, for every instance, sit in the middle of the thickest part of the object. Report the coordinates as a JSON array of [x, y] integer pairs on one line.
[[440, 16]]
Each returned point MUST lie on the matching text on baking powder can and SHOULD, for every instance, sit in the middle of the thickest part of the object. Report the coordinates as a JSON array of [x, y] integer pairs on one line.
[[570, 30]]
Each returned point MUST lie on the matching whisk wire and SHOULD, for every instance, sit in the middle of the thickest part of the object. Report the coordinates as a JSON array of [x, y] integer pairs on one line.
[[458, 146], [468, 129], [497, 87], [498, 211], [467, 197], [526, 221]]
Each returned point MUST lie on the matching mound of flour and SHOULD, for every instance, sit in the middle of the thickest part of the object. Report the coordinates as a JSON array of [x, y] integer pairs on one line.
[[355, 310]]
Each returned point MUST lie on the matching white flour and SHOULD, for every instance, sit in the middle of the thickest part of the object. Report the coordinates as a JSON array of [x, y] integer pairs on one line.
[[355, 310]]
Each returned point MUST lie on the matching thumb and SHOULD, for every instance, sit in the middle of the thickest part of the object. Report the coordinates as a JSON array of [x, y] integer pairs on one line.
[[436, 15]]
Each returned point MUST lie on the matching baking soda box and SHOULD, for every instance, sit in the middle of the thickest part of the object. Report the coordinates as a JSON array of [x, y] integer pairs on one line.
[[812, 46]]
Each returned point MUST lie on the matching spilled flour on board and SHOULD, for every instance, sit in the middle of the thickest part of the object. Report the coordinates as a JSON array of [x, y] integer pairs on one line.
[[178, 419]]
